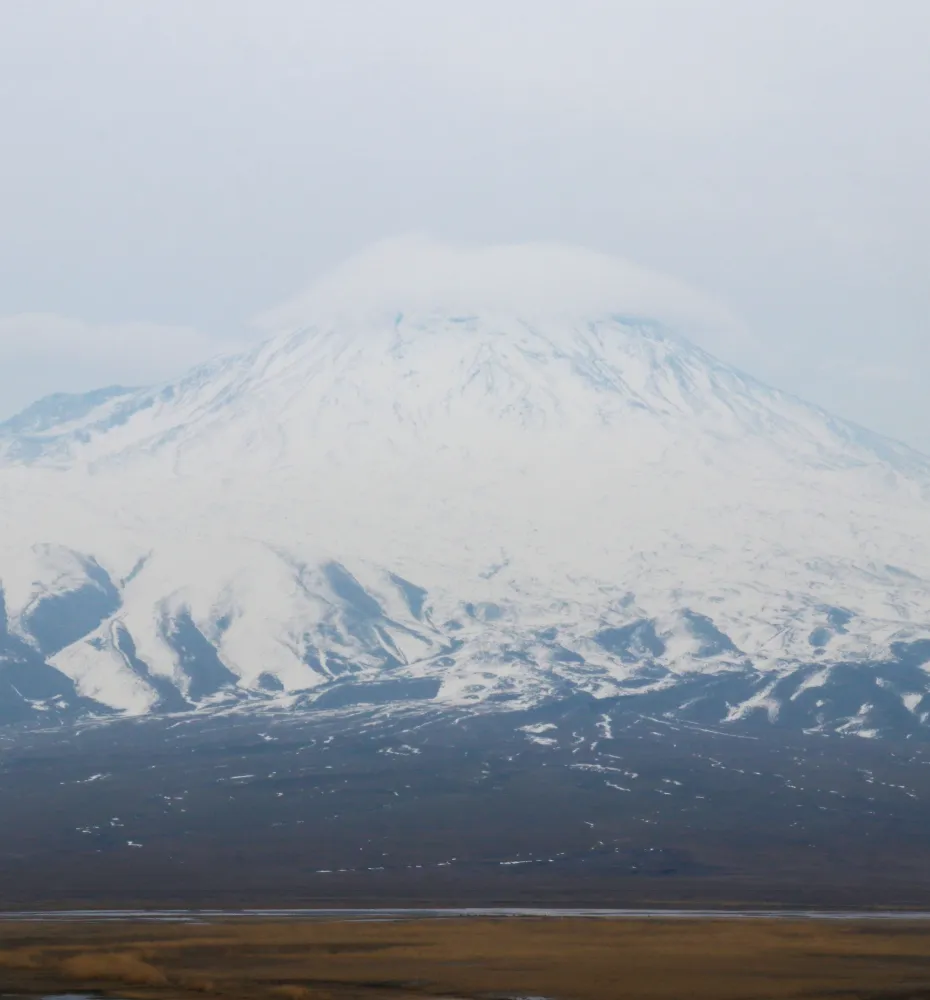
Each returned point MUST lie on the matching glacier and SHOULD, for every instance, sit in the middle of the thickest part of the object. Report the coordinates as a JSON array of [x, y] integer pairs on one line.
[[479, 480]]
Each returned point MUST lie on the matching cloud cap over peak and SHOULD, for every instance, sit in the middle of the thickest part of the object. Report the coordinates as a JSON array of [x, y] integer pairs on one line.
[[417, 273]]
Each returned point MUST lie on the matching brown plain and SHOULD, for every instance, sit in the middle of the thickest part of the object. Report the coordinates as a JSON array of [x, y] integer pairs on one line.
[[566, 959]]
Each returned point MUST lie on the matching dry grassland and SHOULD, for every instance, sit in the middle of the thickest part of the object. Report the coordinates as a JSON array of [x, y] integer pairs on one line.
[[567, 959]]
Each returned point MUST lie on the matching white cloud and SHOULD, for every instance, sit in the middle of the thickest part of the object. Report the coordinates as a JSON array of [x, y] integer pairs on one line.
[[417, 273], [51, 353]]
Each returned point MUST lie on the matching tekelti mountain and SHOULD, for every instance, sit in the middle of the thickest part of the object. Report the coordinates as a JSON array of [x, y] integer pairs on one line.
[[487, 486]]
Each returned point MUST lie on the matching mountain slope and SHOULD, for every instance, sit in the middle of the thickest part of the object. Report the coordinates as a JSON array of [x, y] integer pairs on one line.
[[405, 497]]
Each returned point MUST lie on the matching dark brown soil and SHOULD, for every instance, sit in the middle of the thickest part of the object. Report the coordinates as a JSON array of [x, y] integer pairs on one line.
[[291, 812]]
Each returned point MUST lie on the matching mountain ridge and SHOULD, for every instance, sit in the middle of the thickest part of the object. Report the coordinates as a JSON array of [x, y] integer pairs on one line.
[[493, 508]]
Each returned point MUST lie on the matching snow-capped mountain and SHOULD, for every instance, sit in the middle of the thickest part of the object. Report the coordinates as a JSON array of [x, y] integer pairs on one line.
[[486, 479]]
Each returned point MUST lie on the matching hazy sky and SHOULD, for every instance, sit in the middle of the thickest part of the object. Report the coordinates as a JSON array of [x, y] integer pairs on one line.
[[169, 169]]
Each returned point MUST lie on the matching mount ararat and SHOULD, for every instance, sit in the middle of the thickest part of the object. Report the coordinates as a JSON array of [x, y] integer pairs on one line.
[[486, 480]]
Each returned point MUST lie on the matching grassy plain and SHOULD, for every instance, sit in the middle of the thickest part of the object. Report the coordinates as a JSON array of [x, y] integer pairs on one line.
[[562, 958]]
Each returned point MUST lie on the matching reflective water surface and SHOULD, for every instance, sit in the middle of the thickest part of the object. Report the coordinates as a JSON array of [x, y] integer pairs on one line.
[[181, 916]]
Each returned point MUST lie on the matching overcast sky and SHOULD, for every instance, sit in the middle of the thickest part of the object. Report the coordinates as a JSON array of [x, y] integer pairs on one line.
[[169, 169]]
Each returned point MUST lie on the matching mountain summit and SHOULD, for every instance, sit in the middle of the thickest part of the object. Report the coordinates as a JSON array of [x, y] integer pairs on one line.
[[478, 478]]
